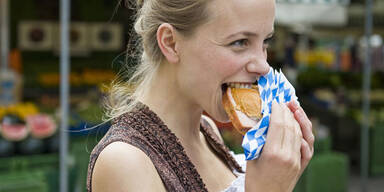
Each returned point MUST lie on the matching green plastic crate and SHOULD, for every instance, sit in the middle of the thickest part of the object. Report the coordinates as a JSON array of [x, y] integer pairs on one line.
[[45, 164], [326, 172], [32, 181], [48, 166], [376, 150], [28, 162]]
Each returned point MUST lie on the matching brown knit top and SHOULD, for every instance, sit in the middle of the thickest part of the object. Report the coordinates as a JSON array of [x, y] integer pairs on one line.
[[143, 129]]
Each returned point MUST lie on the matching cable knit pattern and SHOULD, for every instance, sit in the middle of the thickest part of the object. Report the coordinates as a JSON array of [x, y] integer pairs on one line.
[[143, 129]]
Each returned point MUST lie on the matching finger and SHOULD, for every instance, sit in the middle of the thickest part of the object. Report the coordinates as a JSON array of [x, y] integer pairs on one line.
[[306, 154], [275, 131], [289, 137], [276, 117], [306, 126], [296, 144], [292, 121], [298, 140], [293, 136], [293, 106], [299, 134], [303, 120], [299, 155], [287, 111]]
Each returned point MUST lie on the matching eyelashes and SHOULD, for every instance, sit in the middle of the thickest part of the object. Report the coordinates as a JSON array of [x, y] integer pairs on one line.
[[268, 40], [242, 44]]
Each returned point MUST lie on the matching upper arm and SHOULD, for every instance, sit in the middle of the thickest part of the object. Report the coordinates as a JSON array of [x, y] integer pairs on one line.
[[123, 167], [213, 126]]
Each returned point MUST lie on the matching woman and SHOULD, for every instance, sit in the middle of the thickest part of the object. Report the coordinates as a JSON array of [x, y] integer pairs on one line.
[[160, 141]]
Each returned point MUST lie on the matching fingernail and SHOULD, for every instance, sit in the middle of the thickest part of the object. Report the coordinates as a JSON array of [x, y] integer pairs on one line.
[[297, 102]]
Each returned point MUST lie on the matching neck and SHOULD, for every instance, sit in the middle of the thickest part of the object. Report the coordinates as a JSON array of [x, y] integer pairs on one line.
[[181, 115]]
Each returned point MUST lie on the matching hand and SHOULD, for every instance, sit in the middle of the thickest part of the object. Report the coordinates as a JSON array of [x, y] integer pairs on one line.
[[306, 129], [280, 164]]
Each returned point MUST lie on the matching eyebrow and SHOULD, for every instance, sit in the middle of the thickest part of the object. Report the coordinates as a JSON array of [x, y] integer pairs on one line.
[[247, 33]]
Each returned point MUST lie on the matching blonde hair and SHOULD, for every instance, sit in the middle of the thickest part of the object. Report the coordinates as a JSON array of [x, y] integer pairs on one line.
[[184, 15]]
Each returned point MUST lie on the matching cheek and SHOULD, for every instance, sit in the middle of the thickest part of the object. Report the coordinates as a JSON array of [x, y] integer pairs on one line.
[[227, 64], [266, 54]]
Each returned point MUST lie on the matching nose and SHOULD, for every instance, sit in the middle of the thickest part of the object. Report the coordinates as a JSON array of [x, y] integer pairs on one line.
[[258, 65]]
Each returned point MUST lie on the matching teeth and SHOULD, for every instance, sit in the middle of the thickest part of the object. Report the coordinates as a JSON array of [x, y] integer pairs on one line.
[[240, 85]]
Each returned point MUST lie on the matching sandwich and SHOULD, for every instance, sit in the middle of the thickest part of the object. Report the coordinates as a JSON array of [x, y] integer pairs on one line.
[[243, 106]]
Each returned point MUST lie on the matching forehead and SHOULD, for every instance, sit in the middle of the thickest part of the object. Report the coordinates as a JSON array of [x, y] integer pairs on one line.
[[231, 16]]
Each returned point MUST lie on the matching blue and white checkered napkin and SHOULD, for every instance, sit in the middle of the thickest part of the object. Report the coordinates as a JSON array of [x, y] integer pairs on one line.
[[272, 86]]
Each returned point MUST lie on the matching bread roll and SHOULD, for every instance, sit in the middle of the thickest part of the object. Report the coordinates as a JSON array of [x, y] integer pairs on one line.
[[243, 107]]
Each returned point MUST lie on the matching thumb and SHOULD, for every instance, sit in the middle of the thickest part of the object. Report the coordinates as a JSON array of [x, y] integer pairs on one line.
[[276, 121]]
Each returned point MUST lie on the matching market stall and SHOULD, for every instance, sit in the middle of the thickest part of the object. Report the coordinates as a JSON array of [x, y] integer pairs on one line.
[[60, 59], [51, 114]]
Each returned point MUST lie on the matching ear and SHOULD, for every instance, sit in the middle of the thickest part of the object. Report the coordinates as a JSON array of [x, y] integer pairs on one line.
[[166, 40]]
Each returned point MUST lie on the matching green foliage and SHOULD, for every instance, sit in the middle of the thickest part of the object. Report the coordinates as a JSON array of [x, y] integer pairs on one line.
[[92, 114], [314, 78]]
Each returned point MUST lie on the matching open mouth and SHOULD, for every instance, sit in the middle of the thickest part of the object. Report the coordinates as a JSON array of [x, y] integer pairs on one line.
[[225, 86]]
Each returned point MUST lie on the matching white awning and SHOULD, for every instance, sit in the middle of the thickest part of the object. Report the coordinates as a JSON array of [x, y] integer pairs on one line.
[[337, 2], [312, 12]]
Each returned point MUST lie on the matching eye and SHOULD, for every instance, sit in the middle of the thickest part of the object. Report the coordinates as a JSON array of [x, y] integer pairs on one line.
[[240, 43], [268, 41]]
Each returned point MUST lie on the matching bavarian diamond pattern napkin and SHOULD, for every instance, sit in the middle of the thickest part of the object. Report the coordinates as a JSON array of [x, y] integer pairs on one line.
[[272, 86]]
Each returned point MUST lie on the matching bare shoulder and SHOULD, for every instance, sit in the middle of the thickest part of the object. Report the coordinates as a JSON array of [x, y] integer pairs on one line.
[[213, 126], [123, 167]]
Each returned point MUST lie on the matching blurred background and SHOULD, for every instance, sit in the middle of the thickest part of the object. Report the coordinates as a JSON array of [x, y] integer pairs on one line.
[[319, 44]]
